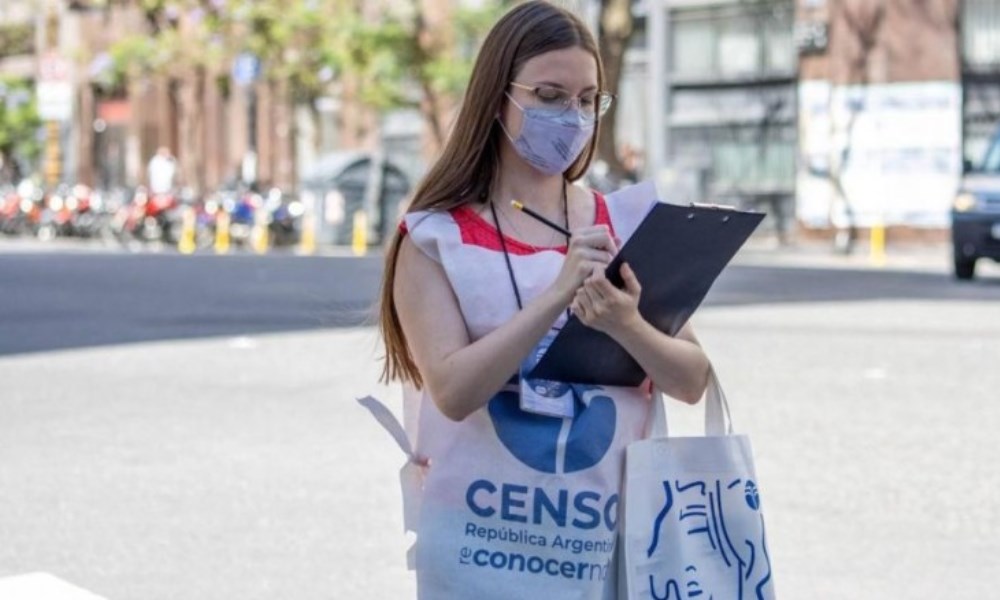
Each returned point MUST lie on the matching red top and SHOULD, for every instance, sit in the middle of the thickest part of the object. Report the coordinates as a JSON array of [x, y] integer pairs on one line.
[[478, 231]]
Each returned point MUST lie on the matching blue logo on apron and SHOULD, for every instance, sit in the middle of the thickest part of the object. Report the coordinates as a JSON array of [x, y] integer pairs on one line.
[[554, 445]]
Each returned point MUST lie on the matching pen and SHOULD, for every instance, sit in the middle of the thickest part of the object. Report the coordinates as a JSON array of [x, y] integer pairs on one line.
[[539, 217]]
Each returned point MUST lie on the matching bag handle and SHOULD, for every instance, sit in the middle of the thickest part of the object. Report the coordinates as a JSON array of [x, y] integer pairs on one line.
[[718, 420]]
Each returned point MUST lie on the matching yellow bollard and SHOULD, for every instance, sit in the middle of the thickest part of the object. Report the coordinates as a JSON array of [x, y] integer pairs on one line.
[[222, 233], [259, 239], [186, 243], [53, 154], [307, 239], [359, 239], [877, 244]]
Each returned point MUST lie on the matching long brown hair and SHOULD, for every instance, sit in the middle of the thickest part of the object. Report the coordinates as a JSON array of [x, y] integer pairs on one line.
[[470, 161]]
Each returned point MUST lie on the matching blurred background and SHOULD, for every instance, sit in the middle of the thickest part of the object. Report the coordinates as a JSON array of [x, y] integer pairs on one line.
[[194, 195], [834, 117]]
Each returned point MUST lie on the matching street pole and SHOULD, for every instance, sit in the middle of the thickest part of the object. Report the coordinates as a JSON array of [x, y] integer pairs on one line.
[[246, 71], [251, 133]]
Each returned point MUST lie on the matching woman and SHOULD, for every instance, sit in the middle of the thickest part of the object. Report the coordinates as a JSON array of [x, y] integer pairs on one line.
[[519, 499]]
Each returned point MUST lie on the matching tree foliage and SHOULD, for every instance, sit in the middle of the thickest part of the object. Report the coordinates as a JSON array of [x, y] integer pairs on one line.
[[182, 34], [19, 123], [311, 44]]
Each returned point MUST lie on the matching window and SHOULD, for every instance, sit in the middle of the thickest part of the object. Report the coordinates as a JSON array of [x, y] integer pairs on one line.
[[981, 33], [980, 116], [692, 49], [780, 51], [739, 46], [733, 41], [743, 159], [991, 162]]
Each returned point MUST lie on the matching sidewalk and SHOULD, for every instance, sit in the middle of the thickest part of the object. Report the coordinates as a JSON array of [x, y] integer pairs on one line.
[[29, 245], [813, 254], [931, 257], [24, 245]]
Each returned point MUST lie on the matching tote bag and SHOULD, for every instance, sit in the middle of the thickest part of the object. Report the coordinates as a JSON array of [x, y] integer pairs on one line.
[[693, 526], [491, 528]]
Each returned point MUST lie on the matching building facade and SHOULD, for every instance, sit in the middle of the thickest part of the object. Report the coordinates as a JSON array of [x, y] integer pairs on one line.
[[723, 101], [980, 28], [219, 128], [880, 113], [843, 113]]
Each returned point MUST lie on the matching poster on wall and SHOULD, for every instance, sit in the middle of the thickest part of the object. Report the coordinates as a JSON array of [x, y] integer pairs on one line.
[[888, 153]]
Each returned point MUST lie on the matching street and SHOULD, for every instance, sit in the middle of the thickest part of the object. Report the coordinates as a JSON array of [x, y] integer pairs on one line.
[[185, 427], [54, 301]]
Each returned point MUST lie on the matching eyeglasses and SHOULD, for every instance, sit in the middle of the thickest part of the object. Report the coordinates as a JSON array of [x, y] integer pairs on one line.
[[590, 103]]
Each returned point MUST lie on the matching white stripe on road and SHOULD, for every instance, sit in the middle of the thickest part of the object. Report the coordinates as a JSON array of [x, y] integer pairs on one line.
[[42, 586]]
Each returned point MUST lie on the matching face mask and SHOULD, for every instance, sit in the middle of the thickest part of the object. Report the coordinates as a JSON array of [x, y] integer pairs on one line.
[[551, 139]]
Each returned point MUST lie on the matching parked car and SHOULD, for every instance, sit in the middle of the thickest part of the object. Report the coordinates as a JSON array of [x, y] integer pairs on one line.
[[335, 187], [975, 214]]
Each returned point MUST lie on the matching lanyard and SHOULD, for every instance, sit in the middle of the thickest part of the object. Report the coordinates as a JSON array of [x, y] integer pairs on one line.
[[506, 255]]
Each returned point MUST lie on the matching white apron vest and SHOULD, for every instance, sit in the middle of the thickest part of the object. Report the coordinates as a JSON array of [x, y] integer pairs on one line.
[[511, 504]]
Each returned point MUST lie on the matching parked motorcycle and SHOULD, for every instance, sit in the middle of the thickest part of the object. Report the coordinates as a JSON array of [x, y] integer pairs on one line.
[[56, 216], [11, 217], [242, 210], [25, 209], [148, 218], [284, 218], [86, 212]]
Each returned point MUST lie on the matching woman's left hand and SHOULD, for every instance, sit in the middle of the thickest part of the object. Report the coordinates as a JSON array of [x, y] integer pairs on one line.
[[602, 306]]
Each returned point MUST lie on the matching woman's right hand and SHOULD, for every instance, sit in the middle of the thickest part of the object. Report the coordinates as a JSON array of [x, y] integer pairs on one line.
[[590, 250]]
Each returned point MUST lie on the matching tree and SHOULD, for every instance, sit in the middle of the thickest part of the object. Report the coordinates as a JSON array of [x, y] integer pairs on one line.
[[182, 47], [382, 58], [399, 55], [413, 56], [615, 28], [19, 124], [862, 21]]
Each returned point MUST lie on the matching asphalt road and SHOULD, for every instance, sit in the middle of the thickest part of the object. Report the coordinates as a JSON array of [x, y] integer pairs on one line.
[[54, 301], [70, 300], [153, 448]]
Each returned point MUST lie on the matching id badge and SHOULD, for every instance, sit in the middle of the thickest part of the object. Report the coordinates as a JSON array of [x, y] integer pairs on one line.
[[549, 398], [540, 396]]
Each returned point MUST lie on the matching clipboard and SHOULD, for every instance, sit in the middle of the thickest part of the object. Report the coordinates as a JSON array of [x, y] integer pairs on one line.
[[677, 252]]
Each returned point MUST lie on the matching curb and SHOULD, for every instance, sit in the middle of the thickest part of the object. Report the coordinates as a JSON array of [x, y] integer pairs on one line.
[[926, 257], [13, 247]]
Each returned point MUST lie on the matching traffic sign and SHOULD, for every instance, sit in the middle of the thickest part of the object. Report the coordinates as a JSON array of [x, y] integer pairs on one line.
[[54, 88], [55, 100], [246, 68], [52, 67]]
